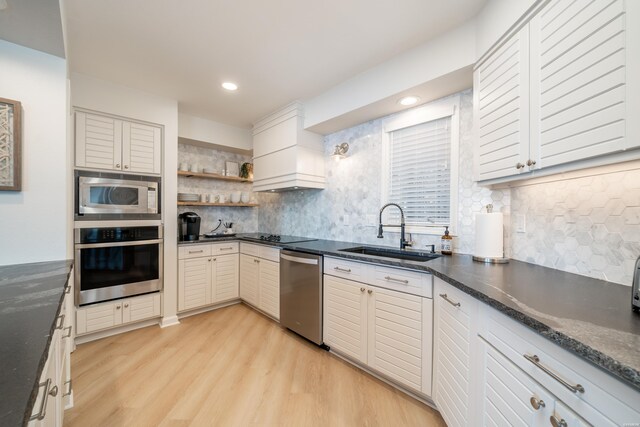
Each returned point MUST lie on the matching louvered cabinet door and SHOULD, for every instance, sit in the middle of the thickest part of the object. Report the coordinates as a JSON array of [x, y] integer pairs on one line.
[[226, 277], [345, 317], [501, 109], [395, 335], [578, 66], [270, 287], [142, 146], [98, 142], [454, 316], [249, 279], [194, 283]]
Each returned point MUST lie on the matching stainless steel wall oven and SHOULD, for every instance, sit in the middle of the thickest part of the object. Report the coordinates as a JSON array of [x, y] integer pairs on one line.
[[116, 262]]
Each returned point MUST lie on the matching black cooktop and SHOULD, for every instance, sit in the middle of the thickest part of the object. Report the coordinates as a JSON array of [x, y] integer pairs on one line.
[[276, 238]]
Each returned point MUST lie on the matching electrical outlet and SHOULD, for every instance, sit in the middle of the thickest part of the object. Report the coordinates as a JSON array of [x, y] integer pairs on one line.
[[521, 223]]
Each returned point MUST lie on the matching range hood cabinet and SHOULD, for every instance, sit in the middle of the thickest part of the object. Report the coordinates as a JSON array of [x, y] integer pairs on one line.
[[287, 157]]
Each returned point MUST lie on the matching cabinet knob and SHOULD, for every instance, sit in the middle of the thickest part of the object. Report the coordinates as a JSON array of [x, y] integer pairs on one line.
[[118, 165], [209, 260], [126, 166], [531, 162], [555, 422], [370, 291], [519, 165], [215, 259], [54, 391], [117, 307], [361, 289], [126, 305], [537, 403]]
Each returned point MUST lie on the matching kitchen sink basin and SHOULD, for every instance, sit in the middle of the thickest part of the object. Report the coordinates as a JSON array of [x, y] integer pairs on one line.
[[392, 253]]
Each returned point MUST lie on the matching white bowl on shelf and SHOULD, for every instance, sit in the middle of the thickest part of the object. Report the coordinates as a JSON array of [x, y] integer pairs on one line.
[[235, 197], [245, 197]]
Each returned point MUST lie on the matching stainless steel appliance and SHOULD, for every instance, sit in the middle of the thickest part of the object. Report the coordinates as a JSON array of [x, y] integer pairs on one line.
[[188, 226], [116, 196], [635, 289], [301, 294], [116, 262]]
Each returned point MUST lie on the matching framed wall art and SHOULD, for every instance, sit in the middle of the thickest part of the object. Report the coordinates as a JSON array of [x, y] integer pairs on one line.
[[10, 145]]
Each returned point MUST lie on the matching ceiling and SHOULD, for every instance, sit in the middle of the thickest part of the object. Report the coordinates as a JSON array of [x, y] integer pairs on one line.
[[33, 23], [276, 51]]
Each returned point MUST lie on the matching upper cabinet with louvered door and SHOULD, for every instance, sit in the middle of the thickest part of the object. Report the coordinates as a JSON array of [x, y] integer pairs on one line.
[[141, 148], [501, 109], [578, 75], [107, 143], [98, 142]]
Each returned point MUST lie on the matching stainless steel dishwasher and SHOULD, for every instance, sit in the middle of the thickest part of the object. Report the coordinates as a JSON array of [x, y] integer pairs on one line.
[[301, 294]]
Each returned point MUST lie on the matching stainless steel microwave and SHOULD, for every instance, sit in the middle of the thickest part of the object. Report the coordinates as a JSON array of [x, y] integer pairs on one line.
[[100, 197]]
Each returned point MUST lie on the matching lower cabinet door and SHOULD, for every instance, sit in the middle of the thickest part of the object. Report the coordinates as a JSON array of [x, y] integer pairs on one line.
[[269, 279], [249, 277], [194, 282], [225, 277], [47, 407], [510, 396], [395, 335], [140, 308], [345, 317], [99, 316]]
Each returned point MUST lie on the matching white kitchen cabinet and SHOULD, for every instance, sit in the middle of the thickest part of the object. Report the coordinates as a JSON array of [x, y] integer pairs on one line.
[[97, 317], [455, 348], [260, 277], [104, 142], [207, 274], [553, 94], [387, 330]]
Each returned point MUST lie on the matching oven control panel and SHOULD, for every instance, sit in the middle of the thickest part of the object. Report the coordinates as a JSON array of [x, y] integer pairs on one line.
[[117, 234]]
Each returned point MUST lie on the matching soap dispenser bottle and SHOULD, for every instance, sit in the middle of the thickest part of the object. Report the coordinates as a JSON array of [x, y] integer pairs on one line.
[[446, 242]]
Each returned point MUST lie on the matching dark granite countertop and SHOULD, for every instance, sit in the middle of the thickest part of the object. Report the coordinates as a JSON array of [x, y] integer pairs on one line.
[[588, 317], [30, 300]]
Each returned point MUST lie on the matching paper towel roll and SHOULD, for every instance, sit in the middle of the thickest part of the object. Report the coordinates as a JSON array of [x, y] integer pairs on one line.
[[489, 235]]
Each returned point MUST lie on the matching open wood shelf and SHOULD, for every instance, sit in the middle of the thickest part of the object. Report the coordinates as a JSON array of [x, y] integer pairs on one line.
[[189, 174], [239, 205]]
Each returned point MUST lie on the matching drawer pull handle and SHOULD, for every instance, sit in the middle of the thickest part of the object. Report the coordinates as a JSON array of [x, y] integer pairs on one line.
[[346, 270], [196, 252], [393, 279], [43, 404], [68, 328], [226, 249], [555, 422], [68, 290], [60, 322], [537, 403], [536, 361], [69, 388], [446, 298], [362, 289]]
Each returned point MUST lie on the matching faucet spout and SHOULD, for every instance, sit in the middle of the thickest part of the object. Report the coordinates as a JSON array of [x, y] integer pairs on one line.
[[403, 243]]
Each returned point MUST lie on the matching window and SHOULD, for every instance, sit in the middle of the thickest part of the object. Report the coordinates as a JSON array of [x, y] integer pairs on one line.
[[420, 166]]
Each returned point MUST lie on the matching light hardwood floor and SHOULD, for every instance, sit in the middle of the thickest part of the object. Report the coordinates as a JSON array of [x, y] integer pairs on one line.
[[229, 367]]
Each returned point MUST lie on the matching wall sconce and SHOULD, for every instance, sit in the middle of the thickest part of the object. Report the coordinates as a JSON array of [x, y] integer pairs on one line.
[[340, 151]]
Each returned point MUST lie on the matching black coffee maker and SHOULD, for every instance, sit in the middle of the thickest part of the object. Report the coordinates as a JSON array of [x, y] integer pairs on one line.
[[188, 226]]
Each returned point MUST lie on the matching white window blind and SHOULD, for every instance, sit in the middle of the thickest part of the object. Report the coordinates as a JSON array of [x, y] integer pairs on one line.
[[420, 172]]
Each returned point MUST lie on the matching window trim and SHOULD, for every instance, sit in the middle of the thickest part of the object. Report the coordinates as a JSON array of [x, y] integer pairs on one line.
[[449, 107]]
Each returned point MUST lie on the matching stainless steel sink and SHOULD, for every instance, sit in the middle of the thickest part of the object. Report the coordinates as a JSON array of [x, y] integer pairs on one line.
[[392, 253]]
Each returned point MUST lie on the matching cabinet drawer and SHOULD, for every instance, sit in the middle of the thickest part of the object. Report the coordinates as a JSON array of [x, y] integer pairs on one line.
[[351, 270], [602, 393], [411, 282], [224, 248], [194, 251], [269, 252], [249, 249]]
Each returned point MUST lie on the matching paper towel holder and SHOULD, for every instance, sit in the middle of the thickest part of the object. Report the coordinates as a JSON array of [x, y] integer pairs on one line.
[[488, 260]]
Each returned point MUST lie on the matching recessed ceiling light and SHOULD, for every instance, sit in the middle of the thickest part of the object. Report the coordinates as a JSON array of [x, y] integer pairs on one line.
[[409, 100], [230, 86]]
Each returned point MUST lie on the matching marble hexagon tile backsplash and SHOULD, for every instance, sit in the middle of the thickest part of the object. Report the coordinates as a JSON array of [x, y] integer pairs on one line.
[[588, 225]]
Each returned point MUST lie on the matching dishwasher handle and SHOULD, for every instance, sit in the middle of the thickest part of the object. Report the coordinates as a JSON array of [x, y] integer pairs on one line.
[[299, 260]]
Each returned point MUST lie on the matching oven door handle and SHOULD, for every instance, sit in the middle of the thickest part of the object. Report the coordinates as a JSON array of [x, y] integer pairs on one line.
[[114, 244]]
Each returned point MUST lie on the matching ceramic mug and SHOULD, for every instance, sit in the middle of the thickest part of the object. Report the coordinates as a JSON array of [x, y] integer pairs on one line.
[[222, 198], [203, 198], [195, 168], [245, 197], [184, 167], [213, 198], [235, 197]]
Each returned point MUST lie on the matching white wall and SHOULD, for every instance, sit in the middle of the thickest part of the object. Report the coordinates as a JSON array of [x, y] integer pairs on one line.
[[33, 222], [436, 58], [99, 95], [199, 129], [495, 19]]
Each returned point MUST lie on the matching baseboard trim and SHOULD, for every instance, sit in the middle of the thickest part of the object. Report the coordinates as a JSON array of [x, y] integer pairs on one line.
[[165, 322], [115, 331], [208, 308]]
